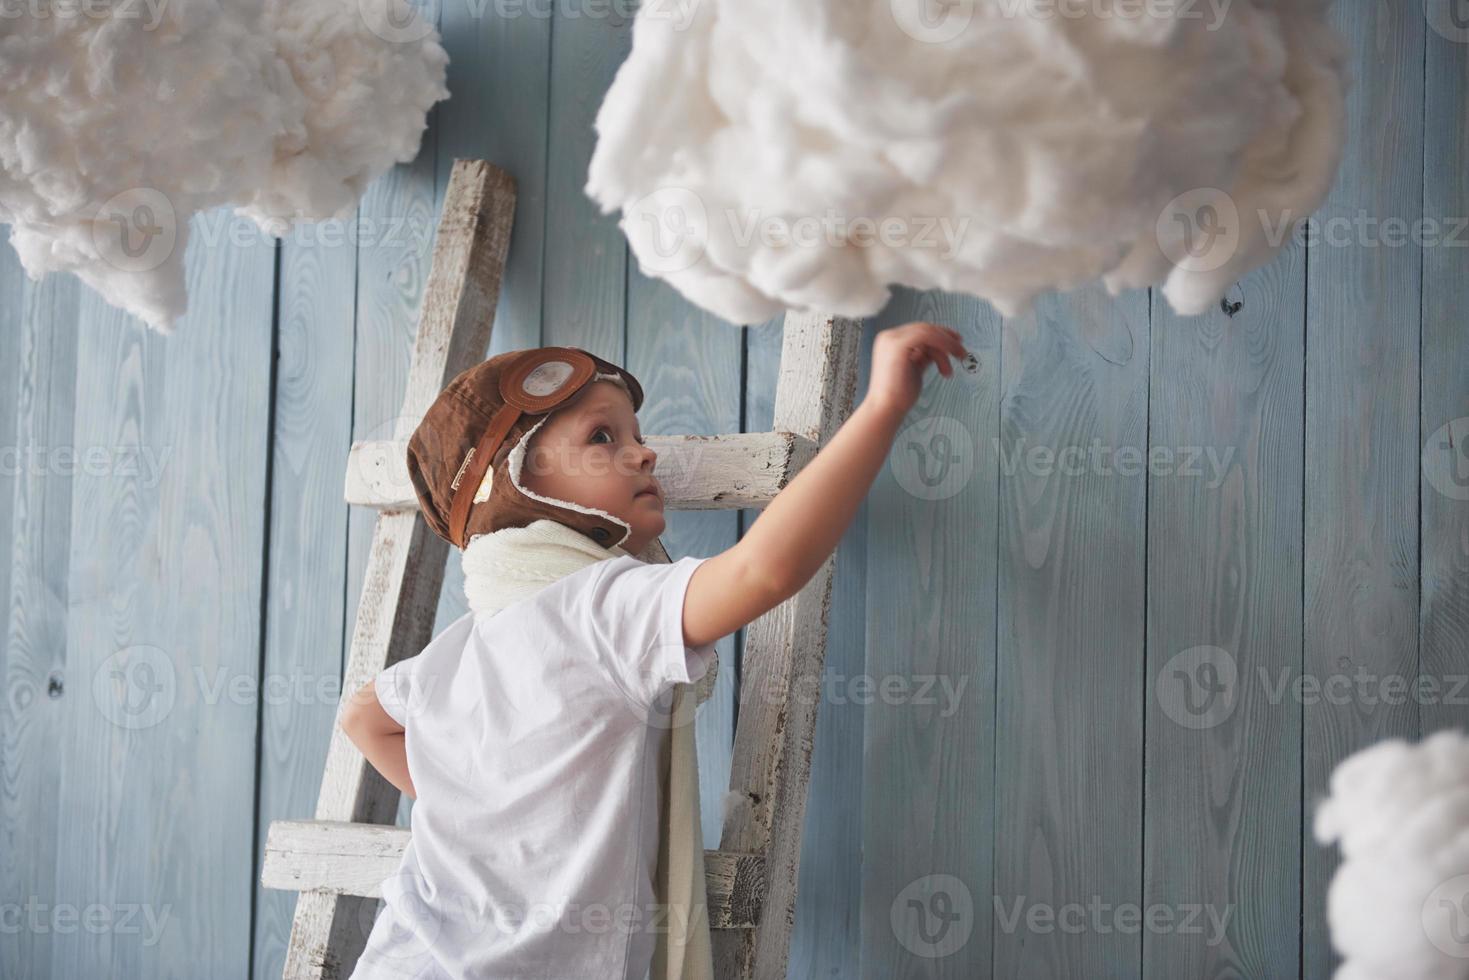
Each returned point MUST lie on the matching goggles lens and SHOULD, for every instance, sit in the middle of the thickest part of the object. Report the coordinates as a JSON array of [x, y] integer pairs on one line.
[[546, 379]]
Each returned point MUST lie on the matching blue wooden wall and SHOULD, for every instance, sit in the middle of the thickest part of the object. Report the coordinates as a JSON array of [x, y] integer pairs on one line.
[[1049, 635]]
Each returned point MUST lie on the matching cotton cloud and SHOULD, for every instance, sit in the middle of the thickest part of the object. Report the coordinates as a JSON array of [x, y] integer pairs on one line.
[[119, 119], [768, 155], [1399, 904]]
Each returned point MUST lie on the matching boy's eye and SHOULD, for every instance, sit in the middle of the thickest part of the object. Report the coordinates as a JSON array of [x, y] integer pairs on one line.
[[603, 430]]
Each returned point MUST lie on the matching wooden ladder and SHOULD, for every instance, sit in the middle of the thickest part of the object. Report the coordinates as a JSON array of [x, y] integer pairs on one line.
[[338, 860]]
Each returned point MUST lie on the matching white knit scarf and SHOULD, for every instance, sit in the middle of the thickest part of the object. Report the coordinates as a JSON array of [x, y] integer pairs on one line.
[[514, 563]]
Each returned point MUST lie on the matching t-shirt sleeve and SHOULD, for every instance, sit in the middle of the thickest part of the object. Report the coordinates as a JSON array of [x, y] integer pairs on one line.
[[395, 689], [636, 614], [404, 688]]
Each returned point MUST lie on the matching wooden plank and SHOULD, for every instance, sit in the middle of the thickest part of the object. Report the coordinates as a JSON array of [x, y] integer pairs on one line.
[[13, 290], [1068, 756], [155, 817], [1223, 790], [784, 654], [498, 112], [697, 472], [306, 556], [38, 353], [355, 858], [927, 686], [1361, 459], [585, 272], [1444, 609], [400, 211], [400, 590], [826, 939]]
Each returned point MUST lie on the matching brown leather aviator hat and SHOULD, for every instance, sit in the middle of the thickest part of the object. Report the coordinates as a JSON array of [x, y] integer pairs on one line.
[[466, 456]]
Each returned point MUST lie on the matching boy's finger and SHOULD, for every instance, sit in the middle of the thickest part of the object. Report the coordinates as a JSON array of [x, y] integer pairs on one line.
[[941, 359], [950, 339]]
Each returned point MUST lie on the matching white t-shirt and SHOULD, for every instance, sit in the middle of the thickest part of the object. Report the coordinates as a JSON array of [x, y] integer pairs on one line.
[[532, 740]]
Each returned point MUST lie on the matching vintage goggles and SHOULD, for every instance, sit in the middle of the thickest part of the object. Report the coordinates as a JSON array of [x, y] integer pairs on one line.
[[533, 385]]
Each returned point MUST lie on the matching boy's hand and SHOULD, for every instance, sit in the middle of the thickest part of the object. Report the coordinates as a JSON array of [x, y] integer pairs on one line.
[[899, 357]]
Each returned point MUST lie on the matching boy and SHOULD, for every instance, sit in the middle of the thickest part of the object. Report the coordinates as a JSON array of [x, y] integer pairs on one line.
[[529, 725]]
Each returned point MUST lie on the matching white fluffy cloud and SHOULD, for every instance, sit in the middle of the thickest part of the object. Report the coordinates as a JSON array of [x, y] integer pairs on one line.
[[769, 155], [119, 120], [1399, 904]]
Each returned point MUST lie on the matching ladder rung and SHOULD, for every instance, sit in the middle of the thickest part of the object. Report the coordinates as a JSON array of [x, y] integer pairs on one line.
[[722, 472], [354, 858]]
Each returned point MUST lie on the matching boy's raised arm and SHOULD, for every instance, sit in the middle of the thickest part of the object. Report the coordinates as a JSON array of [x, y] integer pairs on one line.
[[801, 526]]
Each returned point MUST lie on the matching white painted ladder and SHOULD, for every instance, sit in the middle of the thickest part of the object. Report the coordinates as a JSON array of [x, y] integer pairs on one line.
[[337, 860]]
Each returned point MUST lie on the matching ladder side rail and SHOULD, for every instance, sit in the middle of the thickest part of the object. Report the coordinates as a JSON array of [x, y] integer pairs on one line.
[[785, 651], [405, 568]]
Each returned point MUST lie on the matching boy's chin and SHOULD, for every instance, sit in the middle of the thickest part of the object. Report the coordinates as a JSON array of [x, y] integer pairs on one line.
[[648, 526]]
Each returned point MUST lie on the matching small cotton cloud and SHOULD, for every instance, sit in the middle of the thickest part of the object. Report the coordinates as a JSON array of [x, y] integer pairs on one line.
[[1398, 905], [120, 119], [768, 155]]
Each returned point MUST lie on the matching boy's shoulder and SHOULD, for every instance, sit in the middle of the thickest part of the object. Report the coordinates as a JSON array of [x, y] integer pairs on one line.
[[454, 636], [619, 579]]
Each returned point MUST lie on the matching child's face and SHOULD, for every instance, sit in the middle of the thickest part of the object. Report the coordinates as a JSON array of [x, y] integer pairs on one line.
[[590, 452]]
